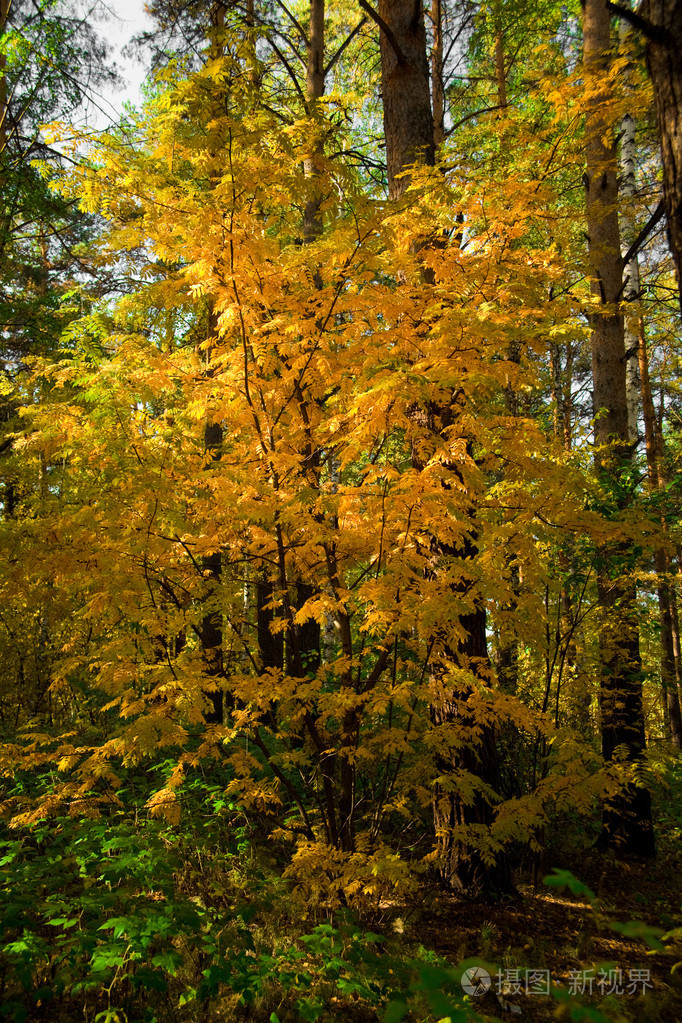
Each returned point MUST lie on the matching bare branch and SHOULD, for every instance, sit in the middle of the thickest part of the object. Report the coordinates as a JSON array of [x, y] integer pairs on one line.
[[343, 46], [654, 33], [644, 233], [376, 17]]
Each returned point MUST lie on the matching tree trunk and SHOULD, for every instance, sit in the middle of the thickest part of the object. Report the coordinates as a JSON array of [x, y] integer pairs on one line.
[[4, 99], [463, 868], [4, 15], [631, 285], [409, 132], [270, 644], [637, 378], [675, 620], [10, 484], [579, 698], [408, 122], [500, 71], [302, 641], [664, 59], [312, 223], [627, 818], [211, 629], [308, 634], [669, 662], [437, 89]]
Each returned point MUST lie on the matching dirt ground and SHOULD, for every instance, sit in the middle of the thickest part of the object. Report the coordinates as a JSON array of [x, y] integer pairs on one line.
[[551, 936]]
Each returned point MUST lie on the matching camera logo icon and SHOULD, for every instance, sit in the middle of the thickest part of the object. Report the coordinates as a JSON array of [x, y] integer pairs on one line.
[[475, 981]]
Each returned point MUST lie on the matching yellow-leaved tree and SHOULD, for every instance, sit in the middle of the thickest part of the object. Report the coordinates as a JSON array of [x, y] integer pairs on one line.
[[374, 492]]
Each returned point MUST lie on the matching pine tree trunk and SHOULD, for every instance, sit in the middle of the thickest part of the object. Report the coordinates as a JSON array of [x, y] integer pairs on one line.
[[627, 818], [408, 121], [211, 629], [669, 661], [631, 285], [10, 484], [4, 15], [664, 58], [500, 70], [312, 223], [675, 619], [637, 378], [409, 132], [437, 89]]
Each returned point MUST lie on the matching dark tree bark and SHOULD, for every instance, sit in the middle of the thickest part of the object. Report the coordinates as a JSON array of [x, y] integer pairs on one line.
[[626, 819], [437, 89], [465, 868], [308, 633], [409, 132], [408, 121], [270, 644], [211, 630], [4, 14], [664, 590], [500, 69], [312, 222], [664, 59]]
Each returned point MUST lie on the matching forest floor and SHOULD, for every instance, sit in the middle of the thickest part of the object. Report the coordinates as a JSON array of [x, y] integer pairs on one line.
[[552, 935], [141, 922]]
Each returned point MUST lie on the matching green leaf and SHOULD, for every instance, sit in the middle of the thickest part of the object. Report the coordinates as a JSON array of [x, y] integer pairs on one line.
[[44, 994], [14, 1011], [442, 1006], [565, 879], [154, 980], [309, 1010], [169, 961], [119, 924], [395, 1011], [16, 947], [187, 996], [637, 929]]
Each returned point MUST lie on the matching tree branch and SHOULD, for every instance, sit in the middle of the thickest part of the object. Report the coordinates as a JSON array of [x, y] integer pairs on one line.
[[643, 234], [474, 113], [654, 33], [289, 69], [376, 17], [344, 44], [294, 21]]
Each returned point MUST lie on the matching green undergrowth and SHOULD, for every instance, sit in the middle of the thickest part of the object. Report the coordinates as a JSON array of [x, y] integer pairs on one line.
[[124, 918]]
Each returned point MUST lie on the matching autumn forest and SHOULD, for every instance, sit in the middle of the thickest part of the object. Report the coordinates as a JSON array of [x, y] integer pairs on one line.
[[340, 513]]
